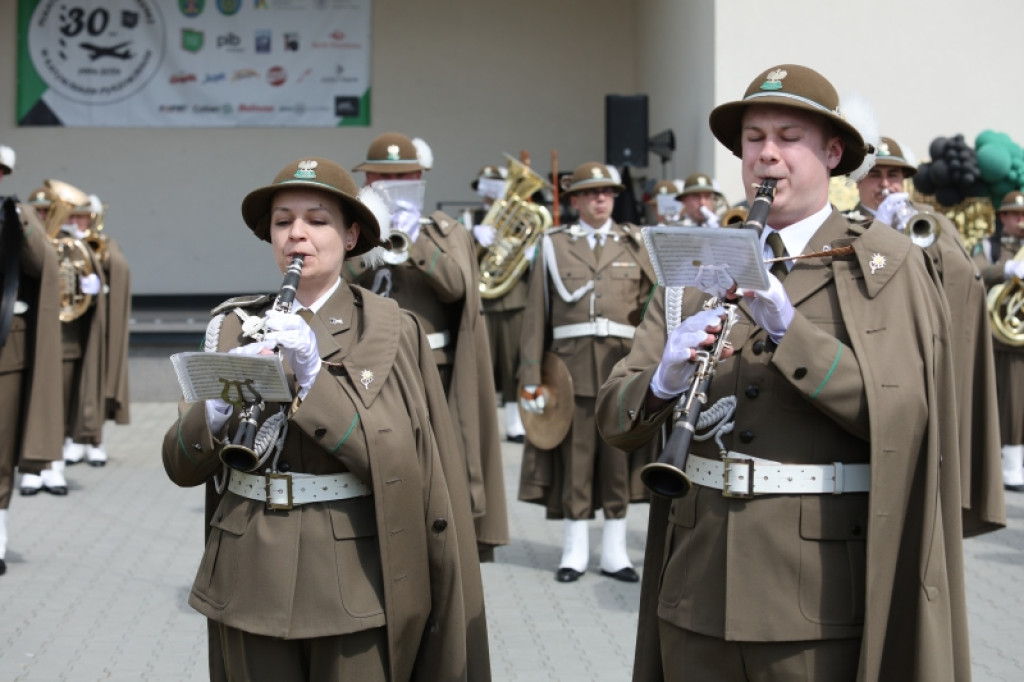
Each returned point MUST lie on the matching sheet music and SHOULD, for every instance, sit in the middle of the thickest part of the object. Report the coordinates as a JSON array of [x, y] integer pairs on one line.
[[231, 377], [703, 257]]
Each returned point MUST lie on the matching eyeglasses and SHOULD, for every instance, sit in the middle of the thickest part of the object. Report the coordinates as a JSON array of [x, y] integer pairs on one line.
[[599, 191]]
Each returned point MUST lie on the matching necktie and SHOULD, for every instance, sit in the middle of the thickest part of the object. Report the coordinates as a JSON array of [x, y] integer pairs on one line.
[[778, 268], [597, 247]]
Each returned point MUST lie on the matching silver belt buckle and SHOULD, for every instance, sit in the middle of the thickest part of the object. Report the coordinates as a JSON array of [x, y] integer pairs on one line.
[[271, 504], [601, 326], [727, 491]]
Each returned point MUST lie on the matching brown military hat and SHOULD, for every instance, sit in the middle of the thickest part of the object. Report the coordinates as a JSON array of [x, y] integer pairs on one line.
[[488, 173], [591, 175], [698, 182], [889, 153], [671, 187], [319, 174], [799, 87], [391, 153], [1014, 201]]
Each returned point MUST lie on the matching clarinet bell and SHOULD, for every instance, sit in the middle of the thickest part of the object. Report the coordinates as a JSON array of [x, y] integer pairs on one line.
[[665, 480], [239, 457]]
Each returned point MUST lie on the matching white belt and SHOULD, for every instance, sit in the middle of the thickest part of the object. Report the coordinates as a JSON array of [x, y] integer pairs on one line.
[[283, 491], [439, 340], [599, 327], [740, 475]]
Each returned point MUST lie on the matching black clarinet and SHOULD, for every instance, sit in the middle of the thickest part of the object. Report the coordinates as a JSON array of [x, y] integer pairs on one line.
[[667, 476]]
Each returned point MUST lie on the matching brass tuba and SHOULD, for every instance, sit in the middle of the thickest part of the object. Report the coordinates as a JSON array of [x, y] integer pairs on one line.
[[518, 223], [73, 255], [1005, 301]]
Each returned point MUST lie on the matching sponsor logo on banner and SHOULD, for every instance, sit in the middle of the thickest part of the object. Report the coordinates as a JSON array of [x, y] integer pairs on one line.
[[173, 108], [298, 109], [210, 109], [336, 42], [291, 42], [231, 41], [229, 7], [96, 54], [180, 77], [262, 41], [276, 76], [346, 106], [191, 40], [242, 74], [255, 108], [191, 8], [215, 77], [260, 4]]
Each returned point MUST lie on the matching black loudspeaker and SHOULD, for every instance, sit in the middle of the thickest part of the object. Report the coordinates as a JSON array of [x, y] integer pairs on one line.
[[625, 130]]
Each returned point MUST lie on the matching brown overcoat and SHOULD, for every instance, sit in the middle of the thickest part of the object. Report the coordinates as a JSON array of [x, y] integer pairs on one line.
[[864, 373], [442, 268], [119, 312], [404, 558]]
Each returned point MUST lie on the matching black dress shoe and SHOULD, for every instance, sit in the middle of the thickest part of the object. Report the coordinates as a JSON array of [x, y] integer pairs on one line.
[[626, 575], [3, 567], [97, 462], [56, 489], [516, 439], [1014, 488], [30, 491], [567, 575]]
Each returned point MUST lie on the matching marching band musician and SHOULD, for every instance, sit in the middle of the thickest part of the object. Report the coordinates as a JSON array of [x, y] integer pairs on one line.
[[364, 565], [504, 314], [82, 339], [881, 185], [435, 276], [698, 199], [663, 202], [788, 569], [587, 289], [30, 373], [1009, 360]]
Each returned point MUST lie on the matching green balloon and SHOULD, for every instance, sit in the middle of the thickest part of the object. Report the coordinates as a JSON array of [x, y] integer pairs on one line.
[[994, 162]]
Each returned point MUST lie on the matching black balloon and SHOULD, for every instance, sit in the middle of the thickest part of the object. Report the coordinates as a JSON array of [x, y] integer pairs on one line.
[[923, 179], [948, 196], [937, 148], [939, 173]]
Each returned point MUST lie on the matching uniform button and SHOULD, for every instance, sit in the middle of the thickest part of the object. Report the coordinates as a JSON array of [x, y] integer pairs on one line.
[[598, 277], [197, 447], [422, 262], [220, 517], [284, 467], [597, 295], [799, 372], [856, 531], [746, 435], [320, 431], [758, 347], [752, 391], [440, 525]]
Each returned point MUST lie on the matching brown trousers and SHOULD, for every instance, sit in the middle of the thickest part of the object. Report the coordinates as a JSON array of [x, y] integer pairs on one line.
[[592, 468], [340, 658], [689, 657], [504, 327]]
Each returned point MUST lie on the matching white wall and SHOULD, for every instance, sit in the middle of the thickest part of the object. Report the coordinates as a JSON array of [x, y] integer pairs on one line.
[[930, 68], [474, 79]]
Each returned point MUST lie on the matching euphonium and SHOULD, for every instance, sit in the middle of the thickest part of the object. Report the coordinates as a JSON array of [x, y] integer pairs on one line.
[[667, 476], [241, 453], [73, 256], [518, 223], [734, 217], [1005, 302]]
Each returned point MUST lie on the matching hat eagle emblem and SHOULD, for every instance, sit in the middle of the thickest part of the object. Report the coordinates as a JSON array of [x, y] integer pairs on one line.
[[1019, 200], [393, 154], [883, 149], [597, 173], [773, 81], [306, 169]]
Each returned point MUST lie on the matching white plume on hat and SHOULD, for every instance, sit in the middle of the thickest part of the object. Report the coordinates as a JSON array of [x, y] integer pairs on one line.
[[856, 109], [424, 154], [680, 185], [613, 173], [7, 157], [371, 199], [95, 205]]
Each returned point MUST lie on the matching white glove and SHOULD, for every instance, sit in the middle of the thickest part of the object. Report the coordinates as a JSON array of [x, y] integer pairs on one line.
[[406, 218], [535, 403], [484, 234], [297, 342], [890, 207], [710, 217], [1014, 268], [676, 369], [90, 284], [218, 412], [771, 309]]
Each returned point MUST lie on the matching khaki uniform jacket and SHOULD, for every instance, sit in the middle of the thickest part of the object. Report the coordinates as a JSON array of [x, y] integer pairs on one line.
[[808, 567], [33, 349], [442, 268], [977, 403], [623, 283], [404, 558]]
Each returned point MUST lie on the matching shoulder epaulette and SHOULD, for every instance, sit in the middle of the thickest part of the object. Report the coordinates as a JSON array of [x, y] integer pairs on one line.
[[251, 301]]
